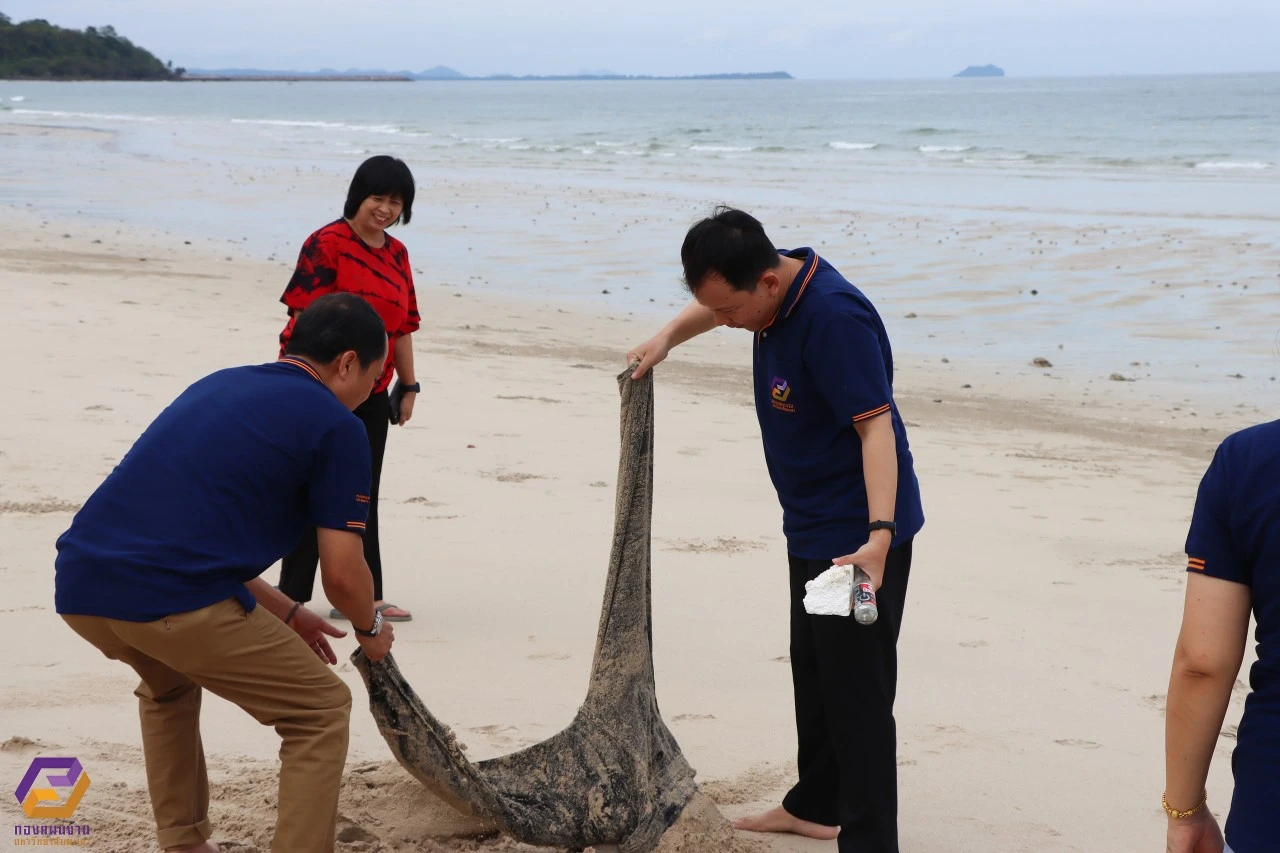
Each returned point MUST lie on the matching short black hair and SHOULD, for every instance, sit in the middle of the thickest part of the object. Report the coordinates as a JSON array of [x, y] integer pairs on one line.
[[336, 323], [729, 243], [381, 175]]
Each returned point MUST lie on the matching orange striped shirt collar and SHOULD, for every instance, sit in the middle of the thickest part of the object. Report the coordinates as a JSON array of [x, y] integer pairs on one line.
[[797, 289], [297, 362]]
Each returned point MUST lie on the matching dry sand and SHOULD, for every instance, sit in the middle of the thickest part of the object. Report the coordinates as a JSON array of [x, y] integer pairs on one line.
[[1045, 594]]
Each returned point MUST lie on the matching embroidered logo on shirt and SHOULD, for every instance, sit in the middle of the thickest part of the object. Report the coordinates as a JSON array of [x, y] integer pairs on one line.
[[781, 392]]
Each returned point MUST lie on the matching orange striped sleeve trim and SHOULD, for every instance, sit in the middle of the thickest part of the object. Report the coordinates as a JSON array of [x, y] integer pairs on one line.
[[356, 525], [1195, 564], [871, 414], [297, 362]]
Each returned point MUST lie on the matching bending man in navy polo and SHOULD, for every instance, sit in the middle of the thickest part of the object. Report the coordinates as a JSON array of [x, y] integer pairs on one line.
[[160, 569], [1233, 565], [837, 453]]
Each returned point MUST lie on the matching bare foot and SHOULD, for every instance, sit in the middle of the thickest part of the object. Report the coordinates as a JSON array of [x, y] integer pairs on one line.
[[203, 847], [780, 820]]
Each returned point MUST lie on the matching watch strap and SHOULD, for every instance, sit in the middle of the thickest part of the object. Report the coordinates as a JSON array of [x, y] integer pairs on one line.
[[372, 632]]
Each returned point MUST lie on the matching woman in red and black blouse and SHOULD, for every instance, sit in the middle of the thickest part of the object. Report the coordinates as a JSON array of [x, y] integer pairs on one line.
[[354, 254]]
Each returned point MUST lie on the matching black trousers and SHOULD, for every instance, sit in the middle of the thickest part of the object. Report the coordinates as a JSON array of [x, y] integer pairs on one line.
[[298, 569], [845, 677]]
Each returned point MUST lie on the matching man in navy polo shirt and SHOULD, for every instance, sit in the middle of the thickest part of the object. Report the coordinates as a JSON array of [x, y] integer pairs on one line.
[[1233, 565], [160, 568], [837, 453]]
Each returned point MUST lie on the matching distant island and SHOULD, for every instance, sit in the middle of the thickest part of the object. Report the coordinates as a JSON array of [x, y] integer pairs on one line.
[[981, 71], [444, 73], [38, 50]]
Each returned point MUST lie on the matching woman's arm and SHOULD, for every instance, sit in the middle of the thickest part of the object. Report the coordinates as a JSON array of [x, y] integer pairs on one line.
[[406, 375]]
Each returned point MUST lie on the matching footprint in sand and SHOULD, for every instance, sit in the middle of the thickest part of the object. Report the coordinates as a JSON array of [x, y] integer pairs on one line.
[[719, 545], [527, 397], [511, 476], [1082, 744], [37, 507], [18, 743]]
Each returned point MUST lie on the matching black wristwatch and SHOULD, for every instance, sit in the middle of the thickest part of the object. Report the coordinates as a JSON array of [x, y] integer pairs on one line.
[[883, 525], [372, 632], [416, 388]]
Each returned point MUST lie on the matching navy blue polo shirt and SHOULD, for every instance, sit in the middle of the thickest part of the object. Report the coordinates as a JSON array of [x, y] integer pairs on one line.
[[1235, 536], [822, 365], [221, 485]]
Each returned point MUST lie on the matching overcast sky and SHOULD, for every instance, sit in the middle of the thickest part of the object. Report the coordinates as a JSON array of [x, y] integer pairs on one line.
[[809, 38]]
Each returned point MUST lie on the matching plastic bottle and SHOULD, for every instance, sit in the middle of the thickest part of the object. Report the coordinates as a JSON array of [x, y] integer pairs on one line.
[[865, 610]]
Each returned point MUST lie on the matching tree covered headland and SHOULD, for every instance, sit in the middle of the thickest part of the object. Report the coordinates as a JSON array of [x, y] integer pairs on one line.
[[38, 50]]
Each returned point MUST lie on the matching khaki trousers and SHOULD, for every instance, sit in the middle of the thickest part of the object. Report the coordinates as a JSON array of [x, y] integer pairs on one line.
[[255, 661]]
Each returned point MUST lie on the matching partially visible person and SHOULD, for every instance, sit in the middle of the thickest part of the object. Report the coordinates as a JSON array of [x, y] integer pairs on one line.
[[355, 254], [838, 455], [1233, 566], [160, 569]]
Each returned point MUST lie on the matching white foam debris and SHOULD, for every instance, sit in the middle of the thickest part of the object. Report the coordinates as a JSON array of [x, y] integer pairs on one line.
[[830, 593]]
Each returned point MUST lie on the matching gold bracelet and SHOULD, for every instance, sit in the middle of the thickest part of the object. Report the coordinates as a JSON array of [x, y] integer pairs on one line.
[[1182, 815]]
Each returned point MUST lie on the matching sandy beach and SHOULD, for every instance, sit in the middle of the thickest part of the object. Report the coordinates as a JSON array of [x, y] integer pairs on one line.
[[1040, 624]]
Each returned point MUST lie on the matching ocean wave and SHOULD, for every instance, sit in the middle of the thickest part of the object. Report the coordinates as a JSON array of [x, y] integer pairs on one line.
[[944, 149], [927, 131], [322, 125], [68, 114], [722, 148], [1233, 164], [493, 141], [18, 98], [853, 146]]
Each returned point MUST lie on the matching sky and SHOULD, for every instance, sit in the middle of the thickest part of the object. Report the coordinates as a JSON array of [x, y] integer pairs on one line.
[[825, 39]]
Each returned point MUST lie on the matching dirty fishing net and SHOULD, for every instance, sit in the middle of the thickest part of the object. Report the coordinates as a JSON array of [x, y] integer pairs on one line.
[[616, 774]]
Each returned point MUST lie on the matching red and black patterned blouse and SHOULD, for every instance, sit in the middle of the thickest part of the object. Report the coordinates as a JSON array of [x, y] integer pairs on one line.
[[335, 260]]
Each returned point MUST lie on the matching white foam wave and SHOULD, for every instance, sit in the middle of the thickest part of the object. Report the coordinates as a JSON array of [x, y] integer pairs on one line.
[[18, 98], [944, 149], [853, 146], [722, 148], [1233, 164], [322, 125], [68, 114]]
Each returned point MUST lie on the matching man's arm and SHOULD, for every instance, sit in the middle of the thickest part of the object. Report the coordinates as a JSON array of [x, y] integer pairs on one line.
[[1206, 661], [880, 474], [348, 585], [277, 603], [307, 625], [689, 323]]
